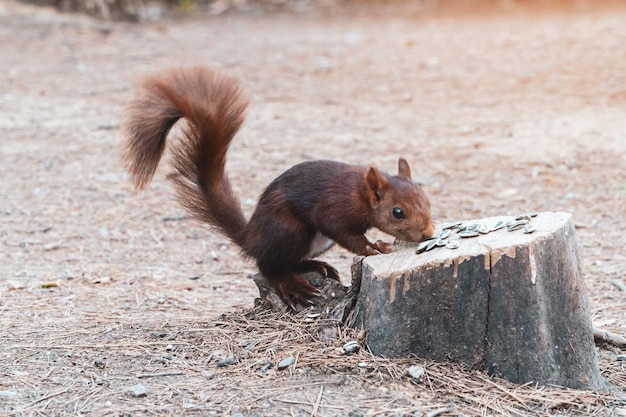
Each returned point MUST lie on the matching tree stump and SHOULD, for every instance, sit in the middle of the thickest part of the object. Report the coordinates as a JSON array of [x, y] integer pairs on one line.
[[508, 302]]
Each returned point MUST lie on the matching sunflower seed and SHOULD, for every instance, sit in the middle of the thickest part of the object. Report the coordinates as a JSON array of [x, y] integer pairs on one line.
[[422, 246], [311, 317], [497, 226], [452, 225], [351, 347], [441, 242], [529, 215], [516, 224], [445, 233], [431, 244], [468, 233], [453, 244], [529, 228], [470, 227], [482, 228]]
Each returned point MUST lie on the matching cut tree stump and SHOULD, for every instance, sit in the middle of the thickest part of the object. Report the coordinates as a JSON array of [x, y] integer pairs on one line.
[[510, 303]]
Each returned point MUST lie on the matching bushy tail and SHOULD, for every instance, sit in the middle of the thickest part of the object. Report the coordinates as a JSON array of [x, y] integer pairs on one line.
[[213, 106]]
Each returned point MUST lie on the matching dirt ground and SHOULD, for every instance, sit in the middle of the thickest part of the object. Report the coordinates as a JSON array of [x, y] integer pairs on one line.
[[519, 106]]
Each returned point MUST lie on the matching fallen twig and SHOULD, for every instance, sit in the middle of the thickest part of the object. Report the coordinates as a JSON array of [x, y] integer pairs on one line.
[[601, 335], [159, 374]]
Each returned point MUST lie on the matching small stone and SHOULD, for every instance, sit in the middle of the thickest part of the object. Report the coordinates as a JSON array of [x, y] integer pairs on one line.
[[138, 390], [170, 348], [251, 344], [416, 372], [286, 363], [226, 361], [99, 363]]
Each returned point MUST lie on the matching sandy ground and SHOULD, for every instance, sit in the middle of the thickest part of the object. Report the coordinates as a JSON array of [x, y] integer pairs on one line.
[[518, 108]]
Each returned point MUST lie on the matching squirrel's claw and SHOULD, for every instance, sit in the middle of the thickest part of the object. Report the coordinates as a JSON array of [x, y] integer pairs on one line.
[[294, 290], [321, 267]]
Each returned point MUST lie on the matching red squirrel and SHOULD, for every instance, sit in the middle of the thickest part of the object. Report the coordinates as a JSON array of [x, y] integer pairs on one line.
[[299, 215]]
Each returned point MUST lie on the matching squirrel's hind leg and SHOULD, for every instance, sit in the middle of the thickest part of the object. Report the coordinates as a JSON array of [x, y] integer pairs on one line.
[[293, 288]]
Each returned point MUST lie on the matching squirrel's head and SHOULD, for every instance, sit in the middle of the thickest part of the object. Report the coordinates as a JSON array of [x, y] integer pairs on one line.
[[398, 205]]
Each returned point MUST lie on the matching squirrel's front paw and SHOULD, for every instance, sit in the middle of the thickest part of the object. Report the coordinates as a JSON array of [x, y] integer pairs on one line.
[[379, 247], [384, 247]]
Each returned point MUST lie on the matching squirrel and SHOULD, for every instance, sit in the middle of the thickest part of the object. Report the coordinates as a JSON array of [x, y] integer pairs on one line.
[[300, 215]]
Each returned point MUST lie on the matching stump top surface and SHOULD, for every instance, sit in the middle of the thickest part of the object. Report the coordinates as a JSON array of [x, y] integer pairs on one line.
[[495, 243]]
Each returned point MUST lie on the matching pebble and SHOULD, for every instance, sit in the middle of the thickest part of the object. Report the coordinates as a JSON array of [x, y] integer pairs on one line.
[[138, 390], [226, 361], [416, 372], [286, 363]]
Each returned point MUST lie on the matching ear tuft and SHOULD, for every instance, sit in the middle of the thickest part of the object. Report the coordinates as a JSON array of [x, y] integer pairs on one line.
[[376, 185], [404, 171]]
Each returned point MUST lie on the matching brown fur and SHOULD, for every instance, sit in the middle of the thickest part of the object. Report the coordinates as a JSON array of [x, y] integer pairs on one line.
[[307, 202]]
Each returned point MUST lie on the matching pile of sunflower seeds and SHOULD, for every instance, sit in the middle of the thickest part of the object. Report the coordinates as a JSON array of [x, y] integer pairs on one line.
[[468, 230]]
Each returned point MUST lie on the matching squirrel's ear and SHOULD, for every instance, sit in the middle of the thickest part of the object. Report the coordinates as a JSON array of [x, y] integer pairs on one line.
[[376, 185], [404, 171]]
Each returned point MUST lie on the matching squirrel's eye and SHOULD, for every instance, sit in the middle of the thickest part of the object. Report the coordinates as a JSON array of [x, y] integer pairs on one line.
[[398, 213]]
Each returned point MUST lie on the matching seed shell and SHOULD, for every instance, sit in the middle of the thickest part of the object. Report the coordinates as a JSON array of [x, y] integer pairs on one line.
[[529, 228]]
